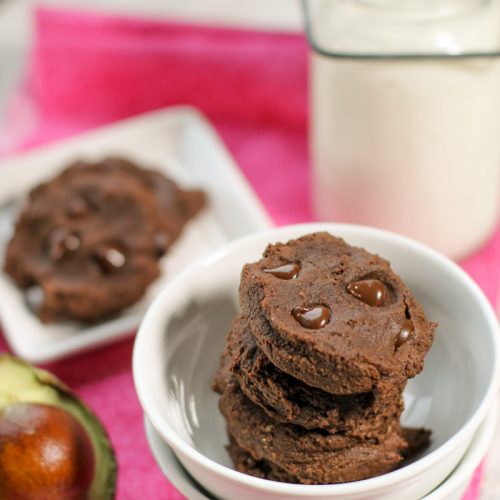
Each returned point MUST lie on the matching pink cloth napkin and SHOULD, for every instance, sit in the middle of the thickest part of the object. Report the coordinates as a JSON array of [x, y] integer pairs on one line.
[[89, 70]]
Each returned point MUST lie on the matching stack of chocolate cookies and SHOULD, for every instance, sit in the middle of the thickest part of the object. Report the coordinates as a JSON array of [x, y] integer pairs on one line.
[[312, 376]]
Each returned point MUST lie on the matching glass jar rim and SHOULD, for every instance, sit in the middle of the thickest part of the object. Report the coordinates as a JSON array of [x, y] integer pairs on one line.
[[442, 8], [361, 55]]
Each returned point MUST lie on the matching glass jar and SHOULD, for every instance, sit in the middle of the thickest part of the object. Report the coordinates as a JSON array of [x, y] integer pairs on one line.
[[405, 128]]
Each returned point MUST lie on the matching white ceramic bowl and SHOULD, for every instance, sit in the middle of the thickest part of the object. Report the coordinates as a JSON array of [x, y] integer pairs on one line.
[[457, 483], [452, 488], [181, 338]]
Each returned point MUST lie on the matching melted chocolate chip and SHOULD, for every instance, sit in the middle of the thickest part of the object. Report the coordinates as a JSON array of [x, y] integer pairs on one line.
[[285, 272], [77, 207], [62, 243], [161, 243], [370, 291], [312, 317], [404, 334], [110, 258]]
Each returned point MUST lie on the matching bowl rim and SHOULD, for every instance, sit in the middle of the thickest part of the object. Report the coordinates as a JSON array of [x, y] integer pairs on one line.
[[472, 458], [156, 316]]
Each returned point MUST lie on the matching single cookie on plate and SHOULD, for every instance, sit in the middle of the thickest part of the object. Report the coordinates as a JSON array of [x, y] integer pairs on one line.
[[334, 316], [91, 237], [175, 206], [289, 400]]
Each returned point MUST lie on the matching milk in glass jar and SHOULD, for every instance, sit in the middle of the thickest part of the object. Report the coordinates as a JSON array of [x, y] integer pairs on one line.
[[405, 128]]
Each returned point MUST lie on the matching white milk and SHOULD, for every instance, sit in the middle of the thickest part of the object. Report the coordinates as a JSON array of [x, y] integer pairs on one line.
[[410, 146]]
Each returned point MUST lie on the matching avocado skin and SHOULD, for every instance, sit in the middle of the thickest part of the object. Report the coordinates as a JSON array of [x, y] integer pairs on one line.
[[22, 382]]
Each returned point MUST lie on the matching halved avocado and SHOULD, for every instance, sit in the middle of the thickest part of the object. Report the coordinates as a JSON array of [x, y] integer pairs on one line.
[[21, 382]]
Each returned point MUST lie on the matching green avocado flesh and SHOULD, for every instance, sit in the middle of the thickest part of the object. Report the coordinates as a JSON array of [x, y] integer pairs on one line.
[[22, 383]]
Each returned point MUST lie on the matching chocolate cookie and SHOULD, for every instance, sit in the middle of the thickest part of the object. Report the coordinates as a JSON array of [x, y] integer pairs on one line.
[[174, 205], [310, 457], [243, 462], [224, 379], [91, 237], [333, 315], [289, 400]]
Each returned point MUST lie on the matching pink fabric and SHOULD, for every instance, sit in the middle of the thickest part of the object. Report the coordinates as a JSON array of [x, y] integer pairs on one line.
[[89, 70]]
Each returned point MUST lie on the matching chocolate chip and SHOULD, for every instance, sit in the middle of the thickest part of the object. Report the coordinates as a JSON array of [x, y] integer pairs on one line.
[[404, 334], [110, 258], [77, 207], [161, 242], [312, 317], [370, 291], [62, 243], [285, 272]]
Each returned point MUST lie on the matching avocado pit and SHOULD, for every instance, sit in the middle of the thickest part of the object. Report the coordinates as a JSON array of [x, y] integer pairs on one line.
[[44, 453]]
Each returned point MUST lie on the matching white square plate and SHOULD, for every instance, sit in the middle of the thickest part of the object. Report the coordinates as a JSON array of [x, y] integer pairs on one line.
[[179, 142]]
